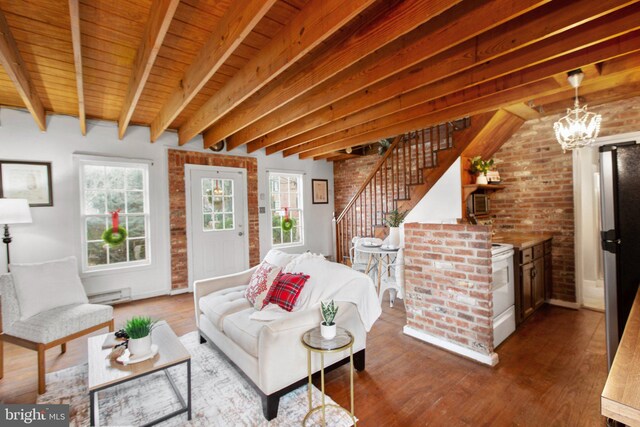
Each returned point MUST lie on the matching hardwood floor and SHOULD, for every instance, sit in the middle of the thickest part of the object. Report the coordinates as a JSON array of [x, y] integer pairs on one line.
[[551, 372]]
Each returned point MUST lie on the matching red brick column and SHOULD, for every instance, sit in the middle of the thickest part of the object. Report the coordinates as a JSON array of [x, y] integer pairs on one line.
[[448, 283], [178, 210]]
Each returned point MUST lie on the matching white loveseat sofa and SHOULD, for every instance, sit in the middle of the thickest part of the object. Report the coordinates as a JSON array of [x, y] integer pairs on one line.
[[265, 345]]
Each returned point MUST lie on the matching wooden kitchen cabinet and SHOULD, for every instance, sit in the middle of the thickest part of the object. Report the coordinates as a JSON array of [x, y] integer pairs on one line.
[[532, 266], [526, 285], [538, 282]]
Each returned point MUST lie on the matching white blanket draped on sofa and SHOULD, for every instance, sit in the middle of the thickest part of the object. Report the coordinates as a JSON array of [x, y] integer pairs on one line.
[[345, 285]]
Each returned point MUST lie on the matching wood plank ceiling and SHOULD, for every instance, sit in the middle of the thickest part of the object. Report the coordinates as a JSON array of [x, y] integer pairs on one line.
[[310, 77]]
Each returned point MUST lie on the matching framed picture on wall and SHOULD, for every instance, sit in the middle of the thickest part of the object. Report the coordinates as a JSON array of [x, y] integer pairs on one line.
[[320, 191], [26, 180]]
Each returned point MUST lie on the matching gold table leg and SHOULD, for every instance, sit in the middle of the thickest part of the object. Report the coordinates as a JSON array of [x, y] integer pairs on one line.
[[351, 388], [309, 373], [324, 421]]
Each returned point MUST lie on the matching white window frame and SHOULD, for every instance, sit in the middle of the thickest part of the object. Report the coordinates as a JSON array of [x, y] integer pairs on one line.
[[300, 177], [113, 162]]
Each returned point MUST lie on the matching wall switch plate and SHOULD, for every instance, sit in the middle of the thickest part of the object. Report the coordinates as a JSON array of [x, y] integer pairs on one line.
[[263, 209]]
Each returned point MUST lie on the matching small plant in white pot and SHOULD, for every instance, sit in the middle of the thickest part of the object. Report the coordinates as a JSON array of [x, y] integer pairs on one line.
[[328, 326], [139, 328], [393, 221]]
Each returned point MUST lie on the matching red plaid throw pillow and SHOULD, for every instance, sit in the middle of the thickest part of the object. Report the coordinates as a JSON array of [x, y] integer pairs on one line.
[[286, 289]]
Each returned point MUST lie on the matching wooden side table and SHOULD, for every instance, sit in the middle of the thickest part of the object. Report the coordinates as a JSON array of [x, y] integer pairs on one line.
[[312, 340]]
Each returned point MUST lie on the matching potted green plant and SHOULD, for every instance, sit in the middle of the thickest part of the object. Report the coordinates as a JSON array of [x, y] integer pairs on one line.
[[480, 167], [139, 328], [393, 221], [328, 326]]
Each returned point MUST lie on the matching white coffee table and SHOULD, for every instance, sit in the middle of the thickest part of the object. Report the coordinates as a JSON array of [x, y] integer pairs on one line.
[[105, 373]]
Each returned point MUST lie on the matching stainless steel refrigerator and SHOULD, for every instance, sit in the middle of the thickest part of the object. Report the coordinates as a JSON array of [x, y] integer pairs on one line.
[[620, 208]]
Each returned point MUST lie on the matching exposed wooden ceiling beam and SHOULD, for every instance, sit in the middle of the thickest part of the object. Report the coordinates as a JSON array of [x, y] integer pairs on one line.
[[315, 23], [559, 54], [160, 17], [449, 29], [520, 32], [523, 110], [559, 102], [234, 27], [341, 156], [398, 18], [74, 15], [17, 71], [472, 101]]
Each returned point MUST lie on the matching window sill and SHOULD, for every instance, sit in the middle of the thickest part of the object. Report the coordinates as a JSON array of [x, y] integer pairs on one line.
[[116, 270], [285, 246]]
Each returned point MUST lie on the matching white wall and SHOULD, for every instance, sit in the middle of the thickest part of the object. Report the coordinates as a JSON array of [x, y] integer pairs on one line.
[[443, 202], [55, 231]]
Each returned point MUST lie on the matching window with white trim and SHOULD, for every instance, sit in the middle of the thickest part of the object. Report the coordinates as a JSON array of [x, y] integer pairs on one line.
[[106, 186], [285, 198]]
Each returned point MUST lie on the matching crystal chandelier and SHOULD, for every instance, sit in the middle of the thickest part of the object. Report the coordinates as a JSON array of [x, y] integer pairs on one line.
[[578, 128]]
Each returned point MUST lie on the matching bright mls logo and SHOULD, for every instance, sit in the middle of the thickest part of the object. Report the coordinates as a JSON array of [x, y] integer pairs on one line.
[[34, 415]]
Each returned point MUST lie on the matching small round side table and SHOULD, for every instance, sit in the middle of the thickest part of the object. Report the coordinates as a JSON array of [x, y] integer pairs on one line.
[[313, 341]]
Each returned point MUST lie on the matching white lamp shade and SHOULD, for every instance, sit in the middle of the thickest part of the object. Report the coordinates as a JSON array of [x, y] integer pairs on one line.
[[14, 211]]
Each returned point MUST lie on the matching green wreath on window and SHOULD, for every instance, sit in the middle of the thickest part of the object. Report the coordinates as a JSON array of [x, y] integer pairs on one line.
[[114, 238], [287, 224]]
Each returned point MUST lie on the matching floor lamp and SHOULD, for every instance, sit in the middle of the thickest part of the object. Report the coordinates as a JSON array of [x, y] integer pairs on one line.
[[13, 211]]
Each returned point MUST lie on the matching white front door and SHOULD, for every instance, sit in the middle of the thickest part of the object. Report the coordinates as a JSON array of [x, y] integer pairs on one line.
[[217, 210]]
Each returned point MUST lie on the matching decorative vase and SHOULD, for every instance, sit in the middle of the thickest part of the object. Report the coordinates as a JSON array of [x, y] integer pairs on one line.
[[327, 332], [482, 179], [139, 346], [394, 236]]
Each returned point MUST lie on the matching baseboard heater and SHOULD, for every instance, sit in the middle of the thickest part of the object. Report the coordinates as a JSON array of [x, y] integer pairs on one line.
[[111, 297]]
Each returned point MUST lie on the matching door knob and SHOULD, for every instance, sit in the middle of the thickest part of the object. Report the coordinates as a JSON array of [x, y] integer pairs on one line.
[[241, 234]]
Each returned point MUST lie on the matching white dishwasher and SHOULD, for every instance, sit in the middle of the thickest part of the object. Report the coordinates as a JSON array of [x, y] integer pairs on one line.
[[504, 314]]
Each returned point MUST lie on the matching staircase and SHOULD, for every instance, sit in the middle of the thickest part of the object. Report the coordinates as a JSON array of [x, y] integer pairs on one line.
[[399, 180]]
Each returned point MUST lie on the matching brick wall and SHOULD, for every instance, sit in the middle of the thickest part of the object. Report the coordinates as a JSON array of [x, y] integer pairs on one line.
[[178, 212], [539, 197], [348, 176], [452, 303]]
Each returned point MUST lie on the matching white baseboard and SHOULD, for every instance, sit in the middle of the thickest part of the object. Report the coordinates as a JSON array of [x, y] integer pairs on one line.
[[565, 304], [180, 291], [151, 294], [593, 294], [487, 359]]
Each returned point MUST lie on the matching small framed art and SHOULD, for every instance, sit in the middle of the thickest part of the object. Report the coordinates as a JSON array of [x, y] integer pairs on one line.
[[320, 191], [26, 180]]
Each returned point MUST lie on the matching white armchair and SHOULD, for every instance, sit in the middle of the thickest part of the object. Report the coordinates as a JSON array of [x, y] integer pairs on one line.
[[393, 279], [24, 325]]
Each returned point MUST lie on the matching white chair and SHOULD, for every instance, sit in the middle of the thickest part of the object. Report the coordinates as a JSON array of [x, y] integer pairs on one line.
[[358, 259], [48, 310], [393, 279]]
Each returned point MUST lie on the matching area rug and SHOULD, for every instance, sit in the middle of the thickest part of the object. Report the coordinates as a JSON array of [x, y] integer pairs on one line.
[[220, 396]]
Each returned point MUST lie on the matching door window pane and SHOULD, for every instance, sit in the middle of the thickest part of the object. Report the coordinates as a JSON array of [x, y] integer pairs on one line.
[[217, 199]]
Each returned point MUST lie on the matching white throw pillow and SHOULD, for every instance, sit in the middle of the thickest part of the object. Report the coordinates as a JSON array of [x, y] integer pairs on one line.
[[279, 258], [43, 286], [260, 283]]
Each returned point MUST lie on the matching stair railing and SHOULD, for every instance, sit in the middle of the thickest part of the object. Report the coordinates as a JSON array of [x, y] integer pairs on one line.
[[400, 167]]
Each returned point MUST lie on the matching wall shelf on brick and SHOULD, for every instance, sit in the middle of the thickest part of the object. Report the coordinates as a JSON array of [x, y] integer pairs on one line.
[[469, 189]]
